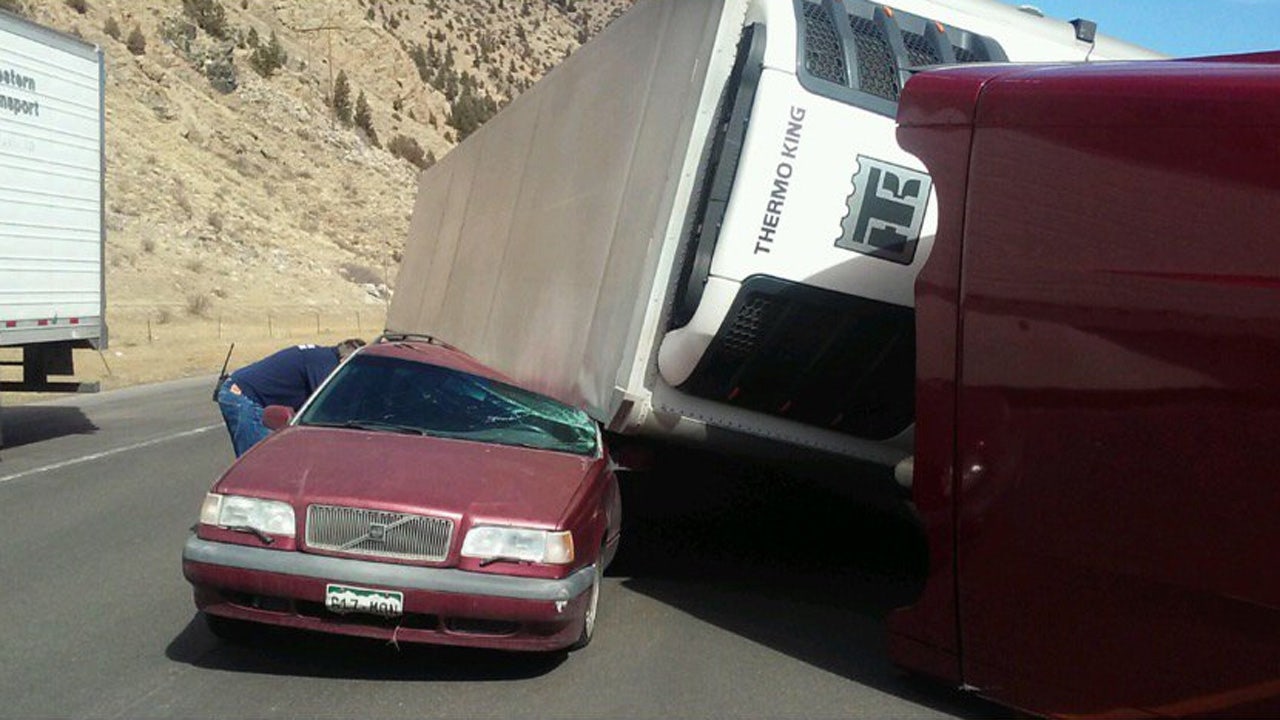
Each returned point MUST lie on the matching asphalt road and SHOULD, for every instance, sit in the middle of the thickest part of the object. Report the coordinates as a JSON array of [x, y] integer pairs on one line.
[[739, 592]]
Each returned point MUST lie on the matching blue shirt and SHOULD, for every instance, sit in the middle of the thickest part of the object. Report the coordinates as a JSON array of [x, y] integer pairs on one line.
[[288, 377]]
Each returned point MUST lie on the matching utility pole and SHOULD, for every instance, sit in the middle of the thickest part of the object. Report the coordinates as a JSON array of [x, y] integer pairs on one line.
[[328, 27]]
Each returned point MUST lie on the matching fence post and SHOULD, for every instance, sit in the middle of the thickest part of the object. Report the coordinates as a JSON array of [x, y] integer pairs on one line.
[[148, 330], [359, 330], [317, 322], [270, 331]]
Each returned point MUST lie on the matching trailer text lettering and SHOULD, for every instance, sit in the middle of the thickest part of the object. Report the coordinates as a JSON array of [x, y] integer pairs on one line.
[[781, 181], [18, 106], [13, 78]]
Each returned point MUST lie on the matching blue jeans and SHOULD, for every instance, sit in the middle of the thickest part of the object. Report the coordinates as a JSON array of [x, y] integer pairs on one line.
[[243, 417]]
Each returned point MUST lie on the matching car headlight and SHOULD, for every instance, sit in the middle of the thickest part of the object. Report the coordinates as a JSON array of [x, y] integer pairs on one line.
[[238, 511], [492, 542]]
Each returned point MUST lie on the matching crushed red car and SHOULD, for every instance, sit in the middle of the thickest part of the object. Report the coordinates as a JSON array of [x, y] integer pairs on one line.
[[418, 496]]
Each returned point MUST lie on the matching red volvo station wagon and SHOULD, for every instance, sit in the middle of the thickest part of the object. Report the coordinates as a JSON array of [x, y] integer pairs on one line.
[[418, 496]]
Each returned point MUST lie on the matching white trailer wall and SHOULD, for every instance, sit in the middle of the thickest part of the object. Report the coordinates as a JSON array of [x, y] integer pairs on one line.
[[51, 168], [558, 299]]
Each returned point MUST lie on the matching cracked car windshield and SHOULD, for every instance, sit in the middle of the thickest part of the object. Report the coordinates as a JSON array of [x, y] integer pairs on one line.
[[385, 394]]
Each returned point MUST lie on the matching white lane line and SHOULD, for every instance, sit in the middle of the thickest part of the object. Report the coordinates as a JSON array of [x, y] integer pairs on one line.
[[108, 453]]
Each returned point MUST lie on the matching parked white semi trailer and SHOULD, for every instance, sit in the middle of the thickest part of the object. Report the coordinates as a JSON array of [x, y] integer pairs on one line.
[[701, 226], [52, 292]]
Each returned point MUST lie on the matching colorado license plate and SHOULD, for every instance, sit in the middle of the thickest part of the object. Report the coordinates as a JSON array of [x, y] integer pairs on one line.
[[349, 599]]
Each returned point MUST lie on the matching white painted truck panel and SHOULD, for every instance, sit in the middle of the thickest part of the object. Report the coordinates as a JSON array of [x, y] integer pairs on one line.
[[536, 244], [51, 157]]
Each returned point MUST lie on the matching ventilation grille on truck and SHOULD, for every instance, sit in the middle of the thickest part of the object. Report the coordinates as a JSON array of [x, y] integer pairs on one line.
[[880, 45], [750, 324], [815, 356], [965, 55], [920, 50], [877, 71], [823, 56]]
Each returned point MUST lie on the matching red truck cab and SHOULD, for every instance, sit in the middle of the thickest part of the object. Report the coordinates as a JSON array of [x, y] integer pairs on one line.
[[1098, 386]]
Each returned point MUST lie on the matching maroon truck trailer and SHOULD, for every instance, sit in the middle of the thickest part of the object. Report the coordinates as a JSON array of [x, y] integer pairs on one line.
[[1098, 386]]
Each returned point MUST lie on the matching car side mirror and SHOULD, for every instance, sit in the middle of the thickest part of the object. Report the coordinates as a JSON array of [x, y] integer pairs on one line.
[[276, 416]]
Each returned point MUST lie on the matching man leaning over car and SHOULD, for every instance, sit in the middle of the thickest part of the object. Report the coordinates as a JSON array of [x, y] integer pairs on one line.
[[287, 377]]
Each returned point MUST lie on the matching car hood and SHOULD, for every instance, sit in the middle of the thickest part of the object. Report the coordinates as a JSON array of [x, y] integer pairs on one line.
[[409, 473]]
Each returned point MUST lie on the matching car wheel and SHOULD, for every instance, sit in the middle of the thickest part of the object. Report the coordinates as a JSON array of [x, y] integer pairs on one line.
[[229, 630], [589, 616]]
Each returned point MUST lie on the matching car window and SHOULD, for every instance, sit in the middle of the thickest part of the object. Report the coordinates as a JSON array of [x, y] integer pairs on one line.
[[370, 392]]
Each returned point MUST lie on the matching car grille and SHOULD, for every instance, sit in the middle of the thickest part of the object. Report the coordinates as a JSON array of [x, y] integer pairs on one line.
[[378, 533]]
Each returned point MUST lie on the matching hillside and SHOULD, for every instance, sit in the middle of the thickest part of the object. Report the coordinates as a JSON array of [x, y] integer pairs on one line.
[[241, 197]]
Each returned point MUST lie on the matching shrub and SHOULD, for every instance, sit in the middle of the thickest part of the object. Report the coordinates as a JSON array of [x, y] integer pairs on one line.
[[14, 6], [266, 59], [421, 61], [79, 6], [220, 68], [199, 304], [407, 148], [112, 28], [181, 199], [209, 15], [137, 42], [179, 33], [360, 274], [470, 111]]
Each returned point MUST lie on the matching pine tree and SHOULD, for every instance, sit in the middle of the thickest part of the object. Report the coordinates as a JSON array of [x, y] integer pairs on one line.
[[341, 101], [266, 59], [363, 118]]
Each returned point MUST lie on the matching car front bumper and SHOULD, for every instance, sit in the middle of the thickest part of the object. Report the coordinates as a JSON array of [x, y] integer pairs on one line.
[[441, 605]]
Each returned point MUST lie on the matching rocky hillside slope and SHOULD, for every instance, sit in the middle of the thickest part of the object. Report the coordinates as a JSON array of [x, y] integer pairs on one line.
[[264, 153]]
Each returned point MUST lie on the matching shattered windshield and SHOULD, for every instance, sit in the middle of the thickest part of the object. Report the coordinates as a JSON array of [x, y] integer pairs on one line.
[[393, 395]]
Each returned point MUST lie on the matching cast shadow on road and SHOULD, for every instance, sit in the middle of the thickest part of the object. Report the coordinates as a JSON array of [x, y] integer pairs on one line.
[[27, 424], [296, 653], [805, 560]]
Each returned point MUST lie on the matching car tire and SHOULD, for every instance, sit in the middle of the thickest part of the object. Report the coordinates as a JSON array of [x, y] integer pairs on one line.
[[237, 632], [591, 613]]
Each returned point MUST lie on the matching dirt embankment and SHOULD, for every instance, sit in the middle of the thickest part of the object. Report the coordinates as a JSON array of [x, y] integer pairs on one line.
[[251, 208]]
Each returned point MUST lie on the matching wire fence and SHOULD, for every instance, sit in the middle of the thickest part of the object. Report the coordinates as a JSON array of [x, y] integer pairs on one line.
[[150, 323]]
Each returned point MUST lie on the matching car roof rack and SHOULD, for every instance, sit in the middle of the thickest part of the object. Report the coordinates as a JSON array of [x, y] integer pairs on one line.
[[395, 337]]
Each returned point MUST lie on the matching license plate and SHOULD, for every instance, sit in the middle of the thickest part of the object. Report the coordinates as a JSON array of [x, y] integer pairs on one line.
[[349, 599]]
